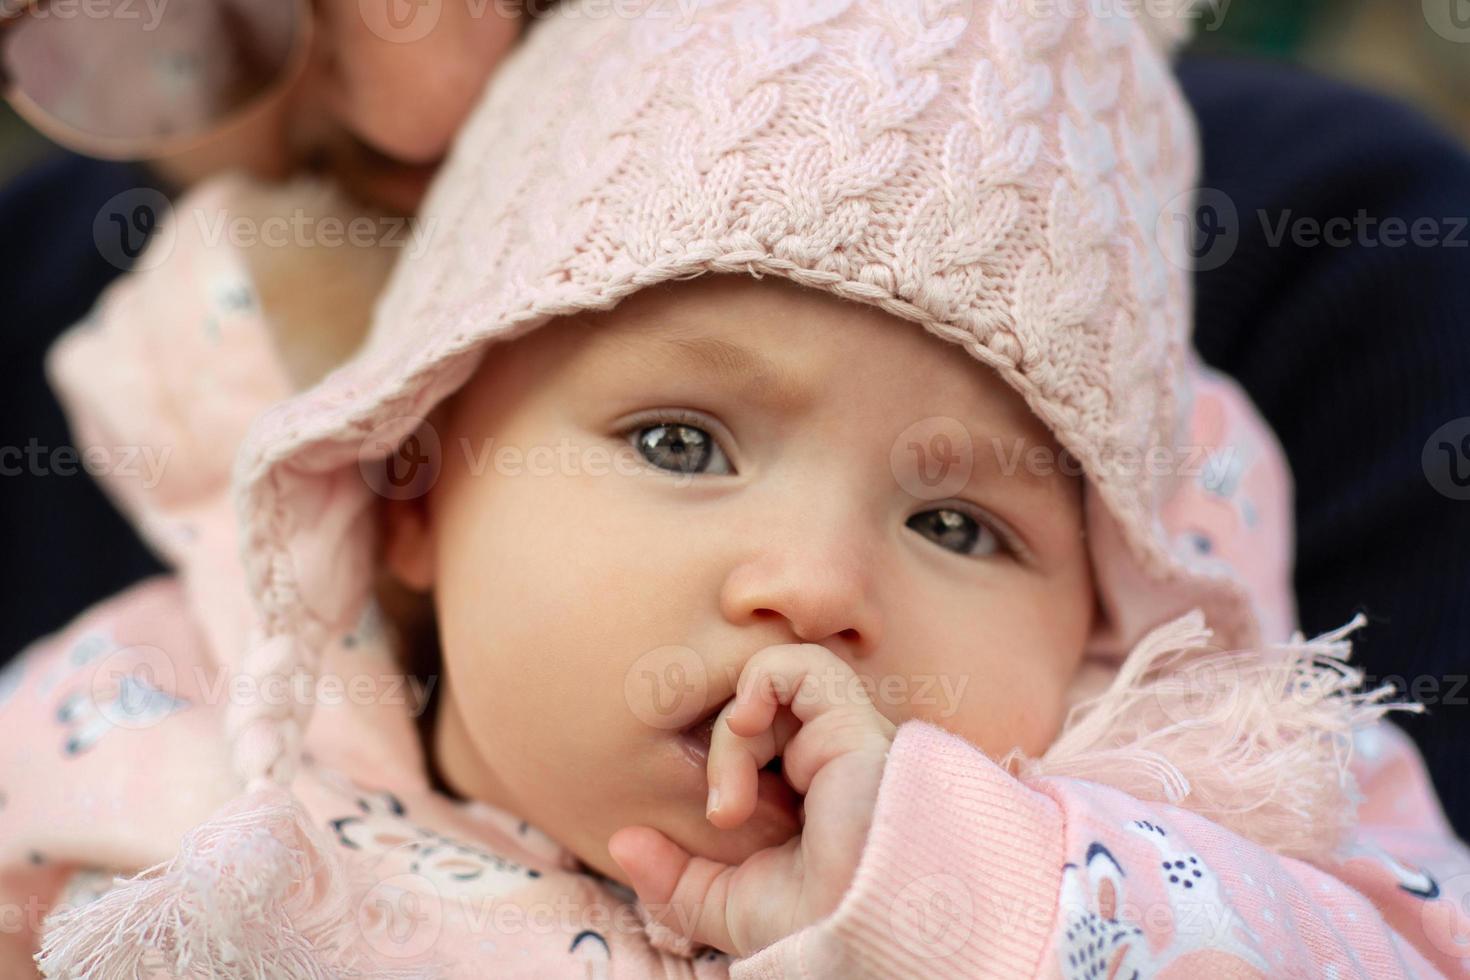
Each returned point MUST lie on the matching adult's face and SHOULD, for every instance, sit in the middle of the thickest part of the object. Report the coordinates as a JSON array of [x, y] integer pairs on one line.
[[388, 85], [375, 102]]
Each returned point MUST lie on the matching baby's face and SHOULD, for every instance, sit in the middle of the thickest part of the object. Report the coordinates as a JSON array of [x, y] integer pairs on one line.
[[711, 468]]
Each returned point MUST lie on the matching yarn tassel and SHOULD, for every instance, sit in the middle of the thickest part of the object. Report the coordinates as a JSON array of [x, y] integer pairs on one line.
[[1257, 741], [256, 891]]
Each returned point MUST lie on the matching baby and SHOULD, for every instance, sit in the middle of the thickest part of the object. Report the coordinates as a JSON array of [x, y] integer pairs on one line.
[[747, 500], [830, 559]]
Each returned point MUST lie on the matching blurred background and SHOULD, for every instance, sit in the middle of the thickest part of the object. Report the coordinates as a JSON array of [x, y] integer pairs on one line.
[[1416, 49]]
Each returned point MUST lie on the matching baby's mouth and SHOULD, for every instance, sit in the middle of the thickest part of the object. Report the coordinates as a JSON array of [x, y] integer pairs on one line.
[[698, 736], [777, 803]]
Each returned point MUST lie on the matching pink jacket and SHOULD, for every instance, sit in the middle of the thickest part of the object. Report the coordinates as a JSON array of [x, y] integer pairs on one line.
[[115, 748]]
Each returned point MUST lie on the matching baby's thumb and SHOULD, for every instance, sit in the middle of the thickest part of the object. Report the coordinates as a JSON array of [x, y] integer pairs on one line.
[[651, 864], [683, 896]]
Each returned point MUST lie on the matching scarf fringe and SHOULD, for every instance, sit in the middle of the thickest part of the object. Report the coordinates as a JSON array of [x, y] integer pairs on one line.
[[1258, 741], [254, 892]]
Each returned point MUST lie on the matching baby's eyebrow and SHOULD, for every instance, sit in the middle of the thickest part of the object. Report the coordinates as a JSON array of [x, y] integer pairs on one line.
[[760, 378]]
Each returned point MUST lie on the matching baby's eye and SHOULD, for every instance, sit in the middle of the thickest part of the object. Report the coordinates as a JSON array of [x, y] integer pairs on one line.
[[957, 531], [681, 448]]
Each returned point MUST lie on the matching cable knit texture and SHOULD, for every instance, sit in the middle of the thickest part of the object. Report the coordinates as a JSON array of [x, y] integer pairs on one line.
[[997, 178]]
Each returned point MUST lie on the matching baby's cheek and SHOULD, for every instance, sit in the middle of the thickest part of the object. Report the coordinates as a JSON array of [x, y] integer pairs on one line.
[[998, 708]]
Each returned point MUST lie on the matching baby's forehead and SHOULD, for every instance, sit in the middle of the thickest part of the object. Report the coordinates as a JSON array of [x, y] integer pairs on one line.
[[794, 346], [729, 322]]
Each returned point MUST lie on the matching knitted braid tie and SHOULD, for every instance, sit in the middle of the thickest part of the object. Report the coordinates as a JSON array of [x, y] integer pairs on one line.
[[267, 731]]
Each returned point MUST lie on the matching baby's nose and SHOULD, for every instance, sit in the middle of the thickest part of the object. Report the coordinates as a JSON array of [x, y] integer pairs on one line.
[[820, 586]]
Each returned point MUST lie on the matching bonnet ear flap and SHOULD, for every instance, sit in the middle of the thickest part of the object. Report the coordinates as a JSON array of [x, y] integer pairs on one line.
[[257, 890]]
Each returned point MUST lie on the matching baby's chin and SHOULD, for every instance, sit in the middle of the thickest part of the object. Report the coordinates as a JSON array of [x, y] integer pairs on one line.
[[687, 827], [675, 772], [769, 826], [776, 819]]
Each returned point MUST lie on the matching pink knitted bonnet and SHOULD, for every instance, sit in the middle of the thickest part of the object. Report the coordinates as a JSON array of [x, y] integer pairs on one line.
[[996, 176], [1003, 178]]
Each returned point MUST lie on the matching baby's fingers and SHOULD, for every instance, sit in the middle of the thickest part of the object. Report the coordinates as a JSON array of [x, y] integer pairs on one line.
[[735, 762], [801, 701], [683, 893], [833, 736], [807, 677]]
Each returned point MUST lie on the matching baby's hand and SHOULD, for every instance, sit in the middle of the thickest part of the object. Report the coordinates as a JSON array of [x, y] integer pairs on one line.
[[835, 759]]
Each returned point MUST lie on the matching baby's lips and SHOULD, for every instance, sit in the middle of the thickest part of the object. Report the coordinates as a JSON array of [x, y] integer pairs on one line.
[[701, 735], [704, 731], [696, 740]]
